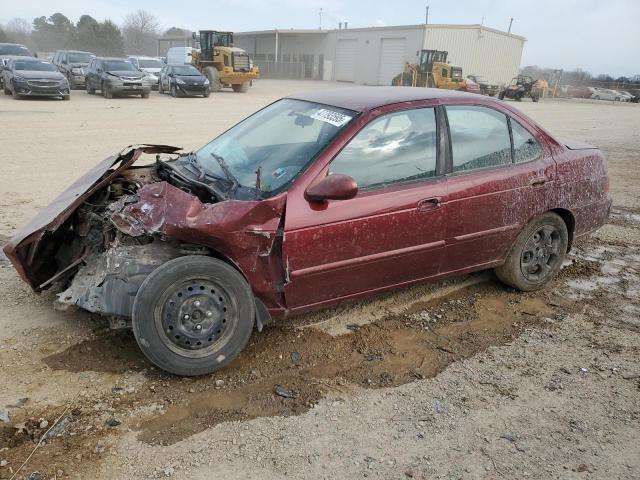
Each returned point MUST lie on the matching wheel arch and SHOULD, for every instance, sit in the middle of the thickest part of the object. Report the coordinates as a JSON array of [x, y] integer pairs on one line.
[[569, 220], [263, 317]]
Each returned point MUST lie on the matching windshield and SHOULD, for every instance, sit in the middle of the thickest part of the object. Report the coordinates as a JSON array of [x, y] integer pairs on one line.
[[150, 63], [186, 70], [33, 66], [79, 57], [279, 142], [116, 66], [14, 50]]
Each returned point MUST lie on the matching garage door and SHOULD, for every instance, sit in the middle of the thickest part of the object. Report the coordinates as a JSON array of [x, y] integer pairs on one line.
[[346, 60], [391, 59]]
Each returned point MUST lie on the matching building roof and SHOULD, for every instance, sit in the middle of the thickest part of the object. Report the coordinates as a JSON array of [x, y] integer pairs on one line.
[[365, 98], [294, 31]]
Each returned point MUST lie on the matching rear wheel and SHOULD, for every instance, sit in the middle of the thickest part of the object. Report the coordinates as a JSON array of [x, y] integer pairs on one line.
[[240, 87], [193, 315], [90, 91], [537, 254], [214, 78]]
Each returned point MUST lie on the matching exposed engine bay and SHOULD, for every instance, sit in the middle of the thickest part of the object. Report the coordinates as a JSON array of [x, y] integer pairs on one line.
[[132, 219]]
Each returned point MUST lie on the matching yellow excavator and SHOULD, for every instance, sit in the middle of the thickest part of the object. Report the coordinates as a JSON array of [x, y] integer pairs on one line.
[[222, 63], [434, 71]]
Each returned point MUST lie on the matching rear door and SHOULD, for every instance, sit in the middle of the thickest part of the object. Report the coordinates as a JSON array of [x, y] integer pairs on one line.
[[390, 234], [499, 178]]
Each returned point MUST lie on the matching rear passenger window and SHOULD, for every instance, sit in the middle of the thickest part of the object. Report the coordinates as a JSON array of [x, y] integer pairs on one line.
[[394, 148], [479, 137], [525, 147]]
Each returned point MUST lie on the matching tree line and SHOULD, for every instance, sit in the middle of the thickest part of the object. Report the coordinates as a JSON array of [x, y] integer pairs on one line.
[[577, 77], [137, 35]]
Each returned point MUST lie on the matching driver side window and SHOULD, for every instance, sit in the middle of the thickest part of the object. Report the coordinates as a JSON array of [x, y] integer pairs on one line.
[[394, 148]]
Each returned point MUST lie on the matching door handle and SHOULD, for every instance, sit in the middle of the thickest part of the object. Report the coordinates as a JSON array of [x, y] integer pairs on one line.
[[538, 181], [427, 204]]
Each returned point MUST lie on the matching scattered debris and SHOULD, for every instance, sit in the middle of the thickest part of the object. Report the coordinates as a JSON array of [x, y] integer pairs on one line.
[[168, 471], [44, 423], [284, 392], [631, 376], [296, 358], [58, 429], [219, 383], [114, 422], [20, 403], [35, 476], [354, 327], [3, 463], [4, 415]]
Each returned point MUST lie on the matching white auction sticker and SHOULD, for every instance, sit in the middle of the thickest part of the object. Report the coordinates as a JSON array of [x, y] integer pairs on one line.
[[336, 119]]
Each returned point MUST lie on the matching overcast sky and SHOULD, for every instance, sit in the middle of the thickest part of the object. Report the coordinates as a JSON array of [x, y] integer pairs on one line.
[[595, 35]]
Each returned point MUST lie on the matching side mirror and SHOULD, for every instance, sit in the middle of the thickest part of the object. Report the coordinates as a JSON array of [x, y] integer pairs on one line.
[[332, 187]]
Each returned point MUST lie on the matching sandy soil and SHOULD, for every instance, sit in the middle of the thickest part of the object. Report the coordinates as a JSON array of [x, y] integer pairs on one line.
[[459, 379]]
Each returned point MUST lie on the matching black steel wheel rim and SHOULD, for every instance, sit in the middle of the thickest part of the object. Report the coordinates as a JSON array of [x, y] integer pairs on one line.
[[541, 254], [196, 317]]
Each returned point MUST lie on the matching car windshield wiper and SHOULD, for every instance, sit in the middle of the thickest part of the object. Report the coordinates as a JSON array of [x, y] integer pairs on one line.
[[225, 169], [192, 158]]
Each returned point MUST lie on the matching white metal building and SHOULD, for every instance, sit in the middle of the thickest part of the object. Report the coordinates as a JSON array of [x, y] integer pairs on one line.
[[373, 56]]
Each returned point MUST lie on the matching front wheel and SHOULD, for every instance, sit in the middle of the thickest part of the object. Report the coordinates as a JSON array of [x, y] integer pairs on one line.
[[501, 95], [537, 254], [106, 90], [174, 91], [193, 315]]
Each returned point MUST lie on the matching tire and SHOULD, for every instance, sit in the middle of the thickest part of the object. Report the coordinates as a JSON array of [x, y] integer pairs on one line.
[[164, 318], [160, 90], [207, 93], [241, 87], [535, 98], [537, 254], [214, 78], [145, 95], [174, 91], [66, 97], [501, 95], [90, 91], [106, 90], [597, 97], [72, 82], [14, 93], [6, 90]]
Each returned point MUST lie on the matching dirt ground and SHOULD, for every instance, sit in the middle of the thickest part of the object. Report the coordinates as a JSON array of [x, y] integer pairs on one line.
[[458, 379]]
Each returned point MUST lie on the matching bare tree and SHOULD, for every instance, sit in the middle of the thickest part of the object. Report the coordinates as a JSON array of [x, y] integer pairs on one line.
[[140, 32], [19, 30]]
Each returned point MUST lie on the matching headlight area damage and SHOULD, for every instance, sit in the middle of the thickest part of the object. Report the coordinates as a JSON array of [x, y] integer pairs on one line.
[[102, 237]]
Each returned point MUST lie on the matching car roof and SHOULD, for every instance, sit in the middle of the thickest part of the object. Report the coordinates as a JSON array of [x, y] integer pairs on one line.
[[76, 51], [361, 99], [146, 57], [112, 58]]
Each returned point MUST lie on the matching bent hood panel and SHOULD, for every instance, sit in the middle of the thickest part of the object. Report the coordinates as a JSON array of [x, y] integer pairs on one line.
[[51, 217]]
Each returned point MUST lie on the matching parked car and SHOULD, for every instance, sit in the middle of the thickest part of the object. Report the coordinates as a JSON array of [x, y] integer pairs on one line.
[[580, 92], [605, 94], [73, 65], [179, 55], [10, 50], [625, 96], [183, 80], [31, 77], [314, 200], [486, 87], [115, 76], [149, 65]]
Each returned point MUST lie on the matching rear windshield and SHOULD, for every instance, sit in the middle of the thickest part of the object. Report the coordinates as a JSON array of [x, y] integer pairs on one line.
[[186, 70], [79, 57], [150, 63], [33, 66], [14, 50], [116, 65]]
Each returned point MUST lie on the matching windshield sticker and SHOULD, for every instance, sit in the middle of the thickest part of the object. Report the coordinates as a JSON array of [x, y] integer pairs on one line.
[[336, 119]]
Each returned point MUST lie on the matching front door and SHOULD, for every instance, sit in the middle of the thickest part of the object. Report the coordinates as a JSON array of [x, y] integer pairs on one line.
[[390, 234], [494, 189]]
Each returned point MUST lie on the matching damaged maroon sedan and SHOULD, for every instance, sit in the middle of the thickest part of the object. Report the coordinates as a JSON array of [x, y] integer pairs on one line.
[[314, 200]]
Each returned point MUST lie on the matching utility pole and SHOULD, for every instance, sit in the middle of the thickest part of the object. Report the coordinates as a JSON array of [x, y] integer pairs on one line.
[[510, 23], [426, 17], [320, 15]]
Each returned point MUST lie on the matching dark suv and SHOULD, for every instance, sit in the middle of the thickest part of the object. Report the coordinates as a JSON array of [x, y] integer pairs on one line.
[[115, 76], [73, 65], [8, 51]]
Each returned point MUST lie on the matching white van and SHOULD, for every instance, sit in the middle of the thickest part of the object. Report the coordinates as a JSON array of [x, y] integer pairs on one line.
[[179, 55]]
